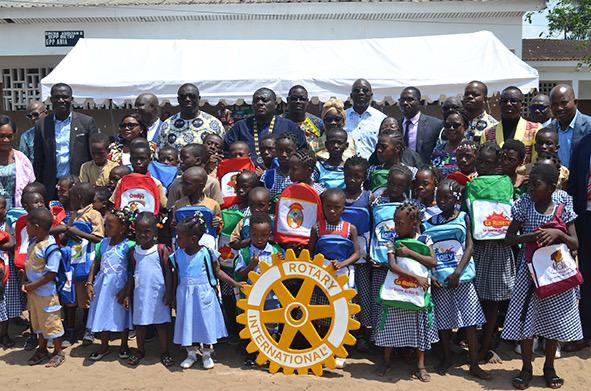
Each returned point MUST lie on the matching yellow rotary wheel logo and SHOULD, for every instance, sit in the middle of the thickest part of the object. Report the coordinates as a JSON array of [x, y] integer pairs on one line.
[[302, 342]]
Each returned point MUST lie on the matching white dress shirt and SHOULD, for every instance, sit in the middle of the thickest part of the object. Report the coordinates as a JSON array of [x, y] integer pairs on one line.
[[364, 129]]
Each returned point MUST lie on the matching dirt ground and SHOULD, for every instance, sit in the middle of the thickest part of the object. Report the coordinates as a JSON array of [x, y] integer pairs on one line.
[[359, 373]]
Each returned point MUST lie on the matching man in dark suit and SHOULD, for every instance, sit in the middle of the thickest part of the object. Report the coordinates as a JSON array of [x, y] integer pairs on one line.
[[420, 130], [61, 140], [579, 187], [572, 125]]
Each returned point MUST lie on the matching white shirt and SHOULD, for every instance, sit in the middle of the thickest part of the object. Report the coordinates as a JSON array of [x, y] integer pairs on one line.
[[152, 131], [364, 129], [413, 127]]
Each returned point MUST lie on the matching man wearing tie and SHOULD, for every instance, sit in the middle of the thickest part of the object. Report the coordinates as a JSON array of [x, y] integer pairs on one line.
[[420, 130]]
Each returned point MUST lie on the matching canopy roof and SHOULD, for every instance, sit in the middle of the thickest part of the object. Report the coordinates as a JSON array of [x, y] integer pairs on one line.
[[231, 70]]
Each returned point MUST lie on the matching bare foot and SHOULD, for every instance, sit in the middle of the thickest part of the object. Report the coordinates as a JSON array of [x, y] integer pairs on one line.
[[444, 366], [478, 372], [492, 357]]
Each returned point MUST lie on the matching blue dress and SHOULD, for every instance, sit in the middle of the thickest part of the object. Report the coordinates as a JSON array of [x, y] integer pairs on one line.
[[199, 317], [105, 313], [148, 293]]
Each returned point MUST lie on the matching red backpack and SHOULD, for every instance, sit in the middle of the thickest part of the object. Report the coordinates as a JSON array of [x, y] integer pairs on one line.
[[298, 209], [138, 192], [4, 266]]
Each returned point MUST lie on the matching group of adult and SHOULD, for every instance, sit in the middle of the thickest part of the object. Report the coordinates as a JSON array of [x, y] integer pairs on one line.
[[58, 142]]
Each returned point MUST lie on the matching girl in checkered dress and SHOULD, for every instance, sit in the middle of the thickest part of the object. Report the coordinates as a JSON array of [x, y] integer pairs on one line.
[[399, 180], [5, 340], [404, 327], [455, 303], [556, 318]]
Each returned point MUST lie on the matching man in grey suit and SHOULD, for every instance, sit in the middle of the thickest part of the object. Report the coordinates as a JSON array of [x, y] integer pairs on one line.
[[571, 124], [420, 130], [61, 140]]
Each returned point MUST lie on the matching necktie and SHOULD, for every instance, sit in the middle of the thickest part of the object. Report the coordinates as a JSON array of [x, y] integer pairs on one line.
[[406, 131]]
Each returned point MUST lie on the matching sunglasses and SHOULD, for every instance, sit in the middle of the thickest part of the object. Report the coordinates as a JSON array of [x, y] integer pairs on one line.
[[538, 108], [455, 125], [333, 118], [33, 115], [128, 125]]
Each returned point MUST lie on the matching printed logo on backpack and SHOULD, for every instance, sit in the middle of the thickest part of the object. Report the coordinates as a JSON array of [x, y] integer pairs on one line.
[[383, 231], [298, 209], [489, 200], [227, 172], [139, 193]]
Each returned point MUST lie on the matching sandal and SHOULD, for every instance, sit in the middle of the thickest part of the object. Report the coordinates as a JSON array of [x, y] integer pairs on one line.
[[166, 360], [56, 360], [7, 343], [422, 375], [98, 355], [136, 357], [384, 369], [521, 382], [39, 356], [124, 353], [552, 380]]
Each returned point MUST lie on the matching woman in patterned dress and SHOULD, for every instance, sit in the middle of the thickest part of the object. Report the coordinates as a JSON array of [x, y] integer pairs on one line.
[[131, 127]]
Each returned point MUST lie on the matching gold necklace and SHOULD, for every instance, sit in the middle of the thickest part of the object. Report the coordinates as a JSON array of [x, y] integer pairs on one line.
[[256, 133]]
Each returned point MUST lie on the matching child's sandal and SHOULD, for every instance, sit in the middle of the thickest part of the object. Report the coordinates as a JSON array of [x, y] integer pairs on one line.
[[56, 360], [124, 353], [422, 375], [166, 360], [552, 380], [136, 357], [39, 356], [521, 382], [98, 355]]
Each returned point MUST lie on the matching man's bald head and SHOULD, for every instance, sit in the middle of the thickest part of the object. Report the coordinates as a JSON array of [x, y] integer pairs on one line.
[[562, 90], [147, 105], [563, 104]]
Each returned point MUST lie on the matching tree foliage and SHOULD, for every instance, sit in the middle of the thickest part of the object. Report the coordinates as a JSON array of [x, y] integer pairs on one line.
[[569, 19]]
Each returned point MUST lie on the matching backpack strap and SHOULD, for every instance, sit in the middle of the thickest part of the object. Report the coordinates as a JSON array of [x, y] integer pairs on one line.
[[245, 253], [213, 282], [161, 258], [51, 249]]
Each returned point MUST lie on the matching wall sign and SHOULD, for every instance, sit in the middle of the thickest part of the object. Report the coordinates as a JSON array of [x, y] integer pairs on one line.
[[62, 38]]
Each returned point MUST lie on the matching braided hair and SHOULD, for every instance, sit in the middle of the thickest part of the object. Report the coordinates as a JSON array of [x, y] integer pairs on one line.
[[287, 136], [126, 217], [357, 161], [454, 188], [411, 209], [400, 169], [306, 158], [193, 225]]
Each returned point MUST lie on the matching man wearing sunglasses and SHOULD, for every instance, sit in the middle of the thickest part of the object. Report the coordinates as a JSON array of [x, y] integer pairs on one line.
[[61, 140], [513, 125], [539, 109], [36, 110]]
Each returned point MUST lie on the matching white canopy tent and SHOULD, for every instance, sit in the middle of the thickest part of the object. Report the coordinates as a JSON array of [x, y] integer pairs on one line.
[[121, 69]]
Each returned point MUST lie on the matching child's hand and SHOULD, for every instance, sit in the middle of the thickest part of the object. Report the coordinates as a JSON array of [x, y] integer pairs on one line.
[[126, 303], [402, 251], [435, 283], [26, 288], [547, 236], [336, 264], [453, 280], [216, 223], [90, 291], [254, 261], [259, 171], [239, 285], [167, 300], [423, 282], [121, 296]]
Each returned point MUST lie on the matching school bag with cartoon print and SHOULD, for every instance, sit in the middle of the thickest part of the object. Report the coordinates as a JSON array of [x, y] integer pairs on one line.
[[403, 292], [383, 231], [553, 268], [138, 192], [82, 252], [489, 199]]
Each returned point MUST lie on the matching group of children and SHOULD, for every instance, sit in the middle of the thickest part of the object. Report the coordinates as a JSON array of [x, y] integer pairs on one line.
[[185, 242]]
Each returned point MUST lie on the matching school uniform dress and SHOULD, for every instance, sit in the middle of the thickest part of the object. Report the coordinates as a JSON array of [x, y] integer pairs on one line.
[[456, 307], [363, 270], [275, 182], [149, 290], [199, 317], [15, 301], [555, 317], [3, 302], [105, 313], [495, 270], [397, 327]]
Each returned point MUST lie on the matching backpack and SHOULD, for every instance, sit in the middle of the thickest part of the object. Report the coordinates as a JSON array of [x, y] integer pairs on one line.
[[81, 253], [230, 219], [227, 172], [139, 193], [101, 247], [22, 240], [378, 179], [489, 200], [213, 281], [448, 244], [64, 279], [359, 217], [402, 292], [132, 262], [552, 268], [245, 253], [383, 231], [4, 263], [330, 177], [298, 209], [334, 245]]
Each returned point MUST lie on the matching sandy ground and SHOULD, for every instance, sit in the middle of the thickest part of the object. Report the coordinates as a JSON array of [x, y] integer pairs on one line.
[[359, 373]]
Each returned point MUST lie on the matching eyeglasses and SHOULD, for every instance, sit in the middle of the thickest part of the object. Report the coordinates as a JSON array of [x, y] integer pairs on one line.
[[128, 125], [455, 125], [33, 115], [538, 107], [333, 118]]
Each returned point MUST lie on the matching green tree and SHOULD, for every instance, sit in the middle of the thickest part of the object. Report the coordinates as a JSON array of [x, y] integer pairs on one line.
[[569, 18]]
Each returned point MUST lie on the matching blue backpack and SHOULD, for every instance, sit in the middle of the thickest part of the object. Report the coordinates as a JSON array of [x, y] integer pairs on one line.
[[81, 253], [383, 231], [330, 177], [188, 211], [359, 217], [334, 245], [64, 281]]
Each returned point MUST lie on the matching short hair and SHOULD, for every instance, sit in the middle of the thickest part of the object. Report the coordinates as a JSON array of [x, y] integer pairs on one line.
[[6, 120], [250, 175], [209, 135], [544, 172], [187, 85], [356, 161], [58, 86], [414, 90], [261, 218], [240, 143], [511, 88], [550, 129], [100, 138], [336, 104], [26, 198], [169, 148], [102, 193], [197, 150], [139, 143], [488, 147], [266, 90], [336, 130], [332, 192], [549, 156], [35, 187], [514, 145], [147, 217], [483, 85], [297, 87], [461, 112], [121, 168], [257, 190], [288, 136], [411, 209], [41, 217], [400, 169], [86, 193], [306, 157]]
